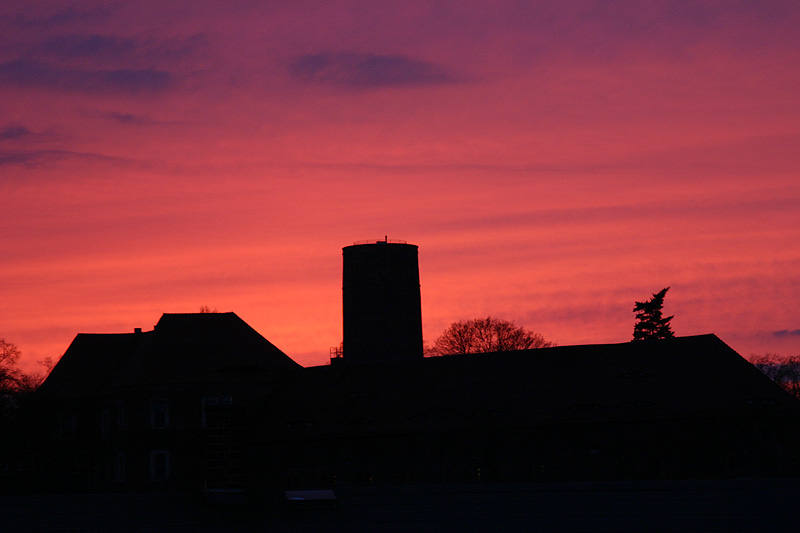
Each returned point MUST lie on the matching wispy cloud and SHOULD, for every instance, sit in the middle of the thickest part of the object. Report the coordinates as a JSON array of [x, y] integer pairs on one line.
[[127, 118], [368, 71], [100, 63], [26, 73], [14, 132], [121, 117], [87, 45], [786, 333], [70, 15], [19, 158], [39, 157], [117, 48]]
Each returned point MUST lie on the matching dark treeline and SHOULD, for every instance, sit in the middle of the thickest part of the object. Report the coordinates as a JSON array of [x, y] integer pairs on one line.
[[17, 411]]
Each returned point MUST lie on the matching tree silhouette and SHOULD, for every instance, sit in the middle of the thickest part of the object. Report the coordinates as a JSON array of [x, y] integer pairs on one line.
[[14, 382], [483, 335], [10, 376], [785, 371], [650, 324]]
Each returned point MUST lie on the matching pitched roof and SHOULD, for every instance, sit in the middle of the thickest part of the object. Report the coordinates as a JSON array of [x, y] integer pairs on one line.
[[196, 348], [680, 377], [91, 360]]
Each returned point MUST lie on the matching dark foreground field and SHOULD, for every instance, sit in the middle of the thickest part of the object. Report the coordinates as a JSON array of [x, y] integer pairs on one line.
[[701, 506]]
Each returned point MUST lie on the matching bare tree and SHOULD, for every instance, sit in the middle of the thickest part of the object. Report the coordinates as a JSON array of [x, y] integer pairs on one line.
[[29, 382], [48, 363], [785, 371], [483, 335], [14, 382], [10, 375]]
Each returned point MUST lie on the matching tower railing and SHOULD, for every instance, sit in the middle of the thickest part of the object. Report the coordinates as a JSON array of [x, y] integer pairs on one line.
[[386, 240], [336, 353]]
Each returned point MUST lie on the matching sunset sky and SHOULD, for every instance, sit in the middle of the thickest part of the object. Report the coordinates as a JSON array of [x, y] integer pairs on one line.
[[554, 162]]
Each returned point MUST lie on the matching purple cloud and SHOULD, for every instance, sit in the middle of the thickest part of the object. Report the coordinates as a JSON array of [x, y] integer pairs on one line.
[[69, 15], [126, 118], [40, 157], [368, 71], [95, 46], [785, 333], [25, 73], [14, 132], [17, 158], [88, 45]]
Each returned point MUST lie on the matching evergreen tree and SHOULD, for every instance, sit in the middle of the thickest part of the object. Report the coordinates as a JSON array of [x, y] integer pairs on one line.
[[650, 324]]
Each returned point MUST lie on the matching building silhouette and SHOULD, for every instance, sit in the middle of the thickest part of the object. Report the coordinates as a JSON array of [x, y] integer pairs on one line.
[[203, 402]]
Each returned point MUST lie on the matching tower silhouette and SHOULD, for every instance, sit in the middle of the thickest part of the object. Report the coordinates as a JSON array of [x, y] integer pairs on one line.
[[382, 313]]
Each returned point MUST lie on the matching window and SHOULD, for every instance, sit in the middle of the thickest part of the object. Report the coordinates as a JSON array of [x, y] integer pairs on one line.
[[760, 402], [68, 426], [120, 414], [636, 374], [159, 466], [105, 422], [159, 413], [210, 401], [119, 468]]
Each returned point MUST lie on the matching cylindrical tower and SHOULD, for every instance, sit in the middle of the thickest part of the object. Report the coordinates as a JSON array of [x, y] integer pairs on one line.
[[381, 302]]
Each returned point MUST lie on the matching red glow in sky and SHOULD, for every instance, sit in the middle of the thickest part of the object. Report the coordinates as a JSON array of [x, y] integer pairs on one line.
[[554, 162]]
